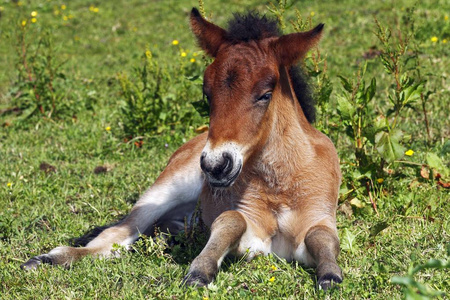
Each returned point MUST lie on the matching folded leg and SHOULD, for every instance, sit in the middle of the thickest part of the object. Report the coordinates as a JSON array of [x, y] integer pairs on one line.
[[226, 232], [322, 244]]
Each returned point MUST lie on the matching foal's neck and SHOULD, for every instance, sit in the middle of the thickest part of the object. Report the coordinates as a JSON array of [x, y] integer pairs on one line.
[[289, 145], [291, 132]]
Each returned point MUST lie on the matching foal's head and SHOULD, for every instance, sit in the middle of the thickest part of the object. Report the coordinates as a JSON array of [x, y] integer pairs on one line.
[[243, 86]]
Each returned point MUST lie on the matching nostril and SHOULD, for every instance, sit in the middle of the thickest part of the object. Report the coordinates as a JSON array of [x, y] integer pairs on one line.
[[226, 155], [202, 157], [228, 163], [203, 164], [217, 167]]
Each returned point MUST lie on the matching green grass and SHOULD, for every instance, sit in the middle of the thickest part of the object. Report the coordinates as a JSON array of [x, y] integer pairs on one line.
[[41, 210]]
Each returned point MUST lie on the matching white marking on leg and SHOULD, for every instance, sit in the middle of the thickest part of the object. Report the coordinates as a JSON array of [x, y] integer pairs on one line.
[[219, 262], [58, 250]]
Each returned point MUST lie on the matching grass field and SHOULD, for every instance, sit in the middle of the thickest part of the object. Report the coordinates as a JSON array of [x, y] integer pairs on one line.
[[75, 53]]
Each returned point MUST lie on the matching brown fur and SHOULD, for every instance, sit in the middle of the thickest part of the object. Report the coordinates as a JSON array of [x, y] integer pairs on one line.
[[287, 191], [283, 198]]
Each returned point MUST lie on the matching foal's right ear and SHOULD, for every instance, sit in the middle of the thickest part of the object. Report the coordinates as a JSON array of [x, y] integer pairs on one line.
[[210, 37]]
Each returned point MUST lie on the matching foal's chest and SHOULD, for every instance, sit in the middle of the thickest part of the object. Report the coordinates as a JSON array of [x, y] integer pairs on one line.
[[280, 234], [274, 224]]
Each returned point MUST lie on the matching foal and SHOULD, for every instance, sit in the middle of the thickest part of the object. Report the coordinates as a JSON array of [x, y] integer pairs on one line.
[[266, 179]]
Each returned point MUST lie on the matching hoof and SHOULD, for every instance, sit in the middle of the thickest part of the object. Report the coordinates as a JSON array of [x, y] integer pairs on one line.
[[196, 279], [328, 281], [34, 262]]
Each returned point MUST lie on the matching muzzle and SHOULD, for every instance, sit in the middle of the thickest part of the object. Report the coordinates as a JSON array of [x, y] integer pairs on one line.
[[221, 166]]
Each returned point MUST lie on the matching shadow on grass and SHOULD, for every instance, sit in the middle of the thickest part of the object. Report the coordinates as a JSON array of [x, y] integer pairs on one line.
[[184, 241], [183, 245]]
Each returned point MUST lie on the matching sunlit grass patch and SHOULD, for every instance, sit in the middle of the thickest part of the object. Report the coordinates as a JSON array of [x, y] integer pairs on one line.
[[50, 191]]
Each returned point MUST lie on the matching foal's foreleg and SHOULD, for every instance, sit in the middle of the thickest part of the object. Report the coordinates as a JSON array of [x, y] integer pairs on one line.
[[226, 232], [173, 196], [323, 245]]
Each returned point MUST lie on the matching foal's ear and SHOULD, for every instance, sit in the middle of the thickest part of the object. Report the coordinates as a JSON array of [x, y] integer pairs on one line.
[[209, 36], [291, 47]]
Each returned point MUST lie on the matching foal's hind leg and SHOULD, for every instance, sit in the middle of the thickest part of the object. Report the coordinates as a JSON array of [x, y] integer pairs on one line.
[[172, 196], [323, 245]]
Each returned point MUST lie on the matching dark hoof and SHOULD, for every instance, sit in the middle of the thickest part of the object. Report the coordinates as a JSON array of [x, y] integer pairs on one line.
[[34, 262], [196, 279], [328, 281]]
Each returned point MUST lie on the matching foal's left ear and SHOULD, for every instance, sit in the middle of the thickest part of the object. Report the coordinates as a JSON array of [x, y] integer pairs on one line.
[[291, 47], [210, 37]]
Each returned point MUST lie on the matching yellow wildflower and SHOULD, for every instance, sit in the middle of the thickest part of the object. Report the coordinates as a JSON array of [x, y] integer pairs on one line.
[[380, 180], [192, 60], [24, 23], [273, 268], [446, 18], [272, 279], [65, 18], [312, 14], [434, 39], [33, 20], [108, 128], [205, 298], [20, 3], [93, 9], [56, 12], [183, 54], [34, 13], [195, 54], [63, 7], [175, 42], [444, 41], [410, 152], [9, 184]]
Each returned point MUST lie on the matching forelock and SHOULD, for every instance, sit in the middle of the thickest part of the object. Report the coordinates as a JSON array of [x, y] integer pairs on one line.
[[251, 27]]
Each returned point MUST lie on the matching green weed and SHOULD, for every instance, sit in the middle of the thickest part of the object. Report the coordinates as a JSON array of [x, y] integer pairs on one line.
[[97, 90], [158, 100], [417, 290]]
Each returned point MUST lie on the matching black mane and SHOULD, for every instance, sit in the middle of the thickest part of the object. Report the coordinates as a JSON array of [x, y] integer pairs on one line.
[[254, 27]]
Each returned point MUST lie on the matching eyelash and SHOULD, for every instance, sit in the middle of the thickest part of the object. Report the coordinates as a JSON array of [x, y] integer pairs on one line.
[[266, 97]]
